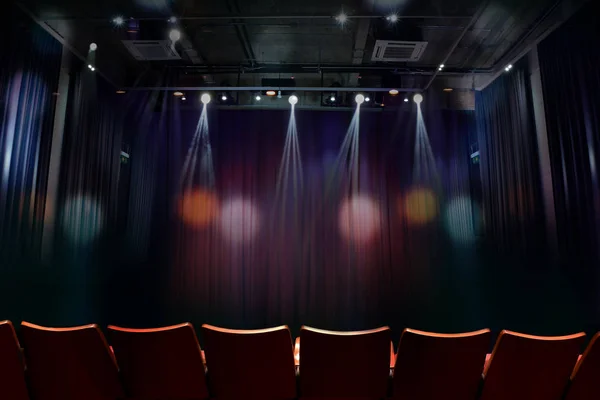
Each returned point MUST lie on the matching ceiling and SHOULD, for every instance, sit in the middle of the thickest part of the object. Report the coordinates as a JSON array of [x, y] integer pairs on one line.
[[239, 42]]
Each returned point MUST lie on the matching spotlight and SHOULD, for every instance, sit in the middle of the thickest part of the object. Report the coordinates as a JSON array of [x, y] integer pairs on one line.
[[442, 66], [93, 69], [183, 99], [393, 18], [118, 21], [332, 99], [271, 93], [178, 94], [359, 98], [173, 20], [448, 90], [406, 99], [508, 68], [394, 92], [121, 92], [175, 35], [341, 18], [205, 98], [293, 99], [90, 66], [224, 97], [93, 47], [258, 98], [418, 98], [367, 99]]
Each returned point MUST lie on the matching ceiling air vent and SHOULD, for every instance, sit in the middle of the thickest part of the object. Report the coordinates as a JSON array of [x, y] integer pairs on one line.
[[152, 50], [398, 51]]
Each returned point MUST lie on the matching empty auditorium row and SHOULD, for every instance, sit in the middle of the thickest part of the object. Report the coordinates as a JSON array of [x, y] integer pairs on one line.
[[168, 364]]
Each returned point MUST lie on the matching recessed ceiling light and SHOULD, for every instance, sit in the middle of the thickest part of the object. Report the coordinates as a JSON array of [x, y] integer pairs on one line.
[[271, 93], [177, 94], [342, 18], [448, 90], [394, 92], [121, 92], [118, 21]]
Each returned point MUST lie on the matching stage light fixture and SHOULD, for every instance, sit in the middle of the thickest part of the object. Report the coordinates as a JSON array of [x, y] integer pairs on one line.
[[173, 20], [224, 97], [93, 69], [342, 18], [271, 93], [293, 99], [175, 35], [183, 99], [418, 98], [118, 21], [93, 47], [332, 99], [406, 99], [367, 99], [394, 92], [393, 18], [258, 98], [178, 94], [508, 68], [205, 98], [90, 66], [359, 99]]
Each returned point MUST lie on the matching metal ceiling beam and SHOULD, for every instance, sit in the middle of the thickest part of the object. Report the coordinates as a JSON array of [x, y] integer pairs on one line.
[[241, 31], [360, 43], [472, 22], [265, 88]]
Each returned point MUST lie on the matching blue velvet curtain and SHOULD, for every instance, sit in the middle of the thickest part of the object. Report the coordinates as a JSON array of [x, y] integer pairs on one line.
[[512, 204], [28, 79], [569, 63]]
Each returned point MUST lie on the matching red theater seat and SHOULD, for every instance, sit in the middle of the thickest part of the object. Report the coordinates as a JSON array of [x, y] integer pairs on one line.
[[586, 376], [344, 364], [70, 364], [432, 366], [162, 363], [250, 364], [12, 376], [526, 367]]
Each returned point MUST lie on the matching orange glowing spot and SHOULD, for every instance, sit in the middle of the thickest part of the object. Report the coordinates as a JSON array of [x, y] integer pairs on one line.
[[420, 206], [198, 208]]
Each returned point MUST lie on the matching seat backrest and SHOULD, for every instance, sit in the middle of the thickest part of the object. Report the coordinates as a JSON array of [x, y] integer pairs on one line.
[[250, 363], [526, 367], [12, 373], [431, 366], [162, 363], [344, 364], [585, 377], [69, 363]]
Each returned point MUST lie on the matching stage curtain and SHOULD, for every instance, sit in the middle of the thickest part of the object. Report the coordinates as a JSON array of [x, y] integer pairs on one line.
[[512, 204], [239, 251], [28, 78], [569, 61]]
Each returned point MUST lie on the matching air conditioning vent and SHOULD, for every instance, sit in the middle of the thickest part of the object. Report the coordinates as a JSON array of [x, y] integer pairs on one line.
[[152, 50], [398, 51]]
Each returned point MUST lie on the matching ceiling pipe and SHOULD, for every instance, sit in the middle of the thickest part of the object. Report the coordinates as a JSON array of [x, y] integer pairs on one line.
[[472, 22], [265, 88]]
